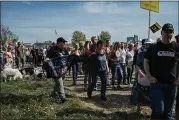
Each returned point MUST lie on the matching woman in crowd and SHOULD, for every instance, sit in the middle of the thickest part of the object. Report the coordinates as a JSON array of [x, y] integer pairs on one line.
[[27, 55], [13, 57], [8, 56], [69, 49], [75, 67], [129, 61], [85, 65], [116, 70]]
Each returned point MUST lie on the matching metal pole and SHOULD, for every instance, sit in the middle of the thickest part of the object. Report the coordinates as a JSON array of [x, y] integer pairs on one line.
[[149, 24]]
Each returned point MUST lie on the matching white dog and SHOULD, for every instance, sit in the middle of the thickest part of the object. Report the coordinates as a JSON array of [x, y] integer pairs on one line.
[[9, 72]]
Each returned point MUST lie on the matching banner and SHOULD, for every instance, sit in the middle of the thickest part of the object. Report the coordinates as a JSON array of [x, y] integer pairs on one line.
[[58, 66], [150, 5]]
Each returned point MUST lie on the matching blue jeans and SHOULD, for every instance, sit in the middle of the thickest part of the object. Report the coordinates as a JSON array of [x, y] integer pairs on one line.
[[162, 96], [116, 71], [103, 77], [123, 66], [75, 69]]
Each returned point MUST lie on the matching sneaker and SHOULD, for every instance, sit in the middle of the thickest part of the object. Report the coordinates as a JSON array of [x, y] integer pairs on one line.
[[130, 86], [63, 100], [74, 83], [103, 98], [113, 88], [89, 95]]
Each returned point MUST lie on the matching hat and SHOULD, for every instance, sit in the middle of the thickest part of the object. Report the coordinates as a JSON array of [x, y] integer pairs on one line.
[[168, 26], [61, 39], [148, 41]]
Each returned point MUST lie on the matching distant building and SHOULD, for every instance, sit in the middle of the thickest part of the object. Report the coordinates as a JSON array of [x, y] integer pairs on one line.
[[27, 45], [132, 39], [41, 44]]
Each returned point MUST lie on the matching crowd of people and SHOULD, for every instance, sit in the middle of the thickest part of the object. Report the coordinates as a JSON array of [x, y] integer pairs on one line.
[[157, 60], [19, 55]]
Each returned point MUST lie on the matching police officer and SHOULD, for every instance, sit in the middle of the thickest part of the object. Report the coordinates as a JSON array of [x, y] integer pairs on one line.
[[56, 51]]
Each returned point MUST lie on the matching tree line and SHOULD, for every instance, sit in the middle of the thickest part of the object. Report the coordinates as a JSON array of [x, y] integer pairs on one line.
[[7, 35], [77, 36]]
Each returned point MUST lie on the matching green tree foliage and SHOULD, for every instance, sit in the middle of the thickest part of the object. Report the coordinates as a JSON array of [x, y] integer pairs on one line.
[[105, 35], [78, 37], [6, 34]]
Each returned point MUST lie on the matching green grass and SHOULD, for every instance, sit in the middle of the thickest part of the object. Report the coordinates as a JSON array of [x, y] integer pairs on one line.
[[31, 100]]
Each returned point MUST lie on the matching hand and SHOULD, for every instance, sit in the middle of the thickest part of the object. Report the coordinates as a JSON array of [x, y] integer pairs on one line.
[[151, 79], [107, 70], [176, 82]]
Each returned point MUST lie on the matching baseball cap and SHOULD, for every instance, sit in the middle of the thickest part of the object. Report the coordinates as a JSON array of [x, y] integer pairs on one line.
[[61, 39], [168, 26], [148, 41]]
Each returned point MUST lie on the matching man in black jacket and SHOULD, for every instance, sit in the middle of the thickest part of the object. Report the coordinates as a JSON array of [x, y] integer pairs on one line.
[[56, 51], [177, 98]]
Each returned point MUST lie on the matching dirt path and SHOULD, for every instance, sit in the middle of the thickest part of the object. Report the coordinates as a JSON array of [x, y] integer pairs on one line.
[[118, 101]]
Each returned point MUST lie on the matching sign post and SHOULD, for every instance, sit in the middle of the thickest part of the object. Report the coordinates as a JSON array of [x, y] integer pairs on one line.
[[151, 6], [149, 24]]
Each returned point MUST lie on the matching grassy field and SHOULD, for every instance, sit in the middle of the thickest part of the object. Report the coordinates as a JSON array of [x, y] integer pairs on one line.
[[31, 100]]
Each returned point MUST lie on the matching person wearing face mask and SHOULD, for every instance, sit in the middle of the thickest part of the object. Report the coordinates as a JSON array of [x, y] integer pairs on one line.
[[160, 63], [98, 67]]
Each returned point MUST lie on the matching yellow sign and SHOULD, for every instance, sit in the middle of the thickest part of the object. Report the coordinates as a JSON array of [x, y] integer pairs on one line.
[[150, 5], [155, 27]]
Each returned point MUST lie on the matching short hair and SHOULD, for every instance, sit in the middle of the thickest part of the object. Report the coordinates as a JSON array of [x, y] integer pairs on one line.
[[93, 37], [100, 42], [108, 41]]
